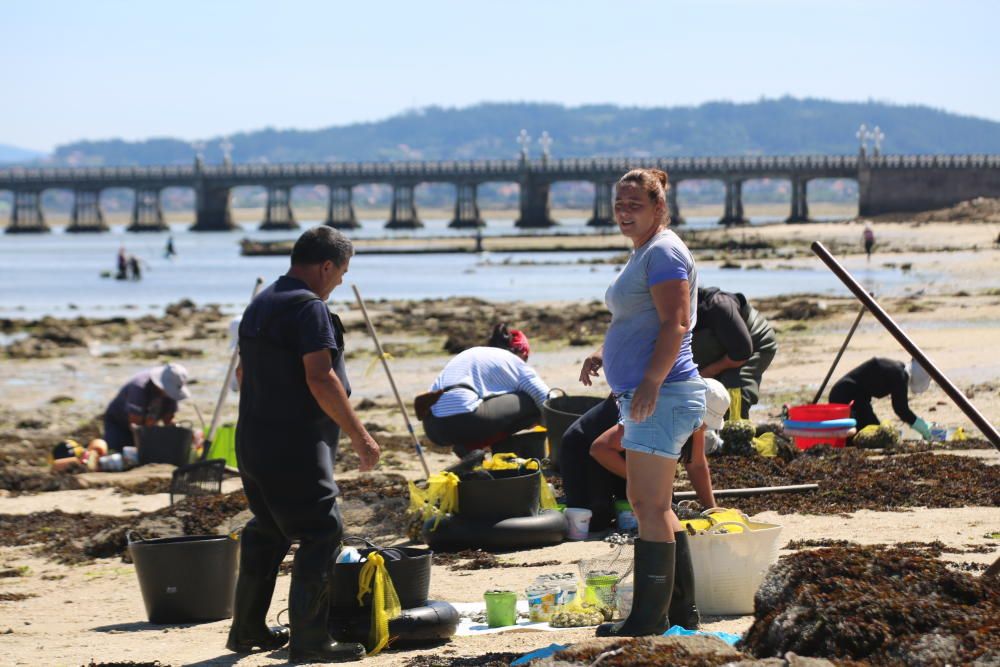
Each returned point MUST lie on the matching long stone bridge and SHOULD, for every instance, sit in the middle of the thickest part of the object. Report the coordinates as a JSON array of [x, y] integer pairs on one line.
[[886, 183]]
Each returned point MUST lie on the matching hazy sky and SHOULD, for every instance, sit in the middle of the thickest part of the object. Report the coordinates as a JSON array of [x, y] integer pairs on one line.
[[134, 69]]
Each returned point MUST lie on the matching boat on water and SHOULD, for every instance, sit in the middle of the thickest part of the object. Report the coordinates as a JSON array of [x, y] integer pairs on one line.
[[450, 245], [250, 248]]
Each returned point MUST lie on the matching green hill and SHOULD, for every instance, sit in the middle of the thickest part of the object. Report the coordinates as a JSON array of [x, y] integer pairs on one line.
[[766, 127]]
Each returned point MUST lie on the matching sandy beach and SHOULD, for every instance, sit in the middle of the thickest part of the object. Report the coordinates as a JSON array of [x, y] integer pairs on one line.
[[58, 377]]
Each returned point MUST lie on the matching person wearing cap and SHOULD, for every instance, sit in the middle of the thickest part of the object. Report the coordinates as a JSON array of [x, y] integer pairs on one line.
[[877, 378], [294, 402], [487, 394], [150, 397], [733, 343]]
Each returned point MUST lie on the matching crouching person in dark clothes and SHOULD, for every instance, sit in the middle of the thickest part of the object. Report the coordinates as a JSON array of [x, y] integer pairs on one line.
[[293, 403], [878, 378], [732, 343]]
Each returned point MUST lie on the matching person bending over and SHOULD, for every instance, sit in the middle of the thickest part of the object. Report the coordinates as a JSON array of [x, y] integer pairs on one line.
[[149, 398], [487, 393], [877, 378], [733, 343]]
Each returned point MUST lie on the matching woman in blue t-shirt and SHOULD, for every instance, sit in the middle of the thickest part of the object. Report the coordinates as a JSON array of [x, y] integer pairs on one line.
[[647, 360]]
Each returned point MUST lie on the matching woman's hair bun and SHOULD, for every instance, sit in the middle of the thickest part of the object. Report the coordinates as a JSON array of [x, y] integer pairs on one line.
[[500, 336]]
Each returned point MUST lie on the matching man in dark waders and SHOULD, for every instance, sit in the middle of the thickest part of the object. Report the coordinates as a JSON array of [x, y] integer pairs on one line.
[[293, 403]]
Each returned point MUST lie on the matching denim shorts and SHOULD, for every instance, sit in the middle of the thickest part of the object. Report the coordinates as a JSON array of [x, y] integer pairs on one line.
[[679, 411]]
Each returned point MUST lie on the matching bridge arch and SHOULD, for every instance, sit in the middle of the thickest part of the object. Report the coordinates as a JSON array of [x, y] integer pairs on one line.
[[768, 199], [833, 198], [579, 200], [176, 202], [696, 198]]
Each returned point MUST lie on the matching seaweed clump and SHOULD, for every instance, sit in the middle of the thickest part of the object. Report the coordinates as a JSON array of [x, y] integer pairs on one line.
[[883, 606], [697, 651]]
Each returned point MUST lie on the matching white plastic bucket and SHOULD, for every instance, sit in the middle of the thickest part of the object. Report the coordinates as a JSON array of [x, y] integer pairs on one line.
[[578, 519], [729, 567]]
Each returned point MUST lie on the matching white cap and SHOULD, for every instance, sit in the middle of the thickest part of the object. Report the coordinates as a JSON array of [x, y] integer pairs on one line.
[[920, 381], [171, 378], [716, 404]]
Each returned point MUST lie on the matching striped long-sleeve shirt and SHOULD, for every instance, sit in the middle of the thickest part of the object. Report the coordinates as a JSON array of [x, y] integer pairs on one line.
[[491, 371]]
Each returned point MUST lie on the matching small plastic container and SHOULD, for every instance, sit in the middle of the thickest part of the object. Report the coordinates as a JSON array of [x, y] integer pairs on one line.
[[501, 608], [625, 517], [542, 602], [567, 592], [579, 522], [601, 589]]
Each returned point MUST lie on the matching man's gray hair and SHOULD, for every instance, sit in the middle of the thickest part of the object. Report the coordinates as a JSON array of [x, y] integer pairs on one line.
[[320, 244]]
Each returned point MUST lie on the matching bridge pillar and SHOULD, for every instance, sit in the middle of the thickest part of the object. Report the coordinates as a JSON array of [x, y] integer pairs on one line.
[[673, 208], [26, 217], [404, 209], [340, 208], [466, 207], [212, 212], [604, 215], [278, 213], [87, 215], [147, 212], [535, 210], [733, 214], [800, 205]]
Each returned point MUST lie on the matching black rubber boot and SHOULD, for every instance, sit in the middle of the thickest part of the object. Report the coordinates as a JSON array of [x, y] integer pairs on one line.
[[683, 610], [653, 584], [260, 557], [309, 607]]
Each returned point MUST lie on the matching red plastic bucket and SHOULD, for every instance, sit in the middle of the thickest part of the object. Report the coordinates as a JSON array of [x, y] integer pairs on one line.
[[819, 412]]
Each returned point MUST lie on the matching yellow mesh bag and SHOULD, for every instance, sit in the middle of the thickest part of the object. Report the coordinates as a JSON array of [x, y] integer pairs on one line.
[[374, 578], [440, 497], [504, 461], [510, 461], [546, 500], [714, 516]]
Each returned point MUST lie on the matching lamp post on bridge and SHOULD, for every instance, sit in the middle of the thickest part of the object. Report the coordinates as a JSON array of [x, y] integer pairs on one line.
[[877, 136], [545, 141], [523, 140], [863, 135], [226, 146], [199, 154]]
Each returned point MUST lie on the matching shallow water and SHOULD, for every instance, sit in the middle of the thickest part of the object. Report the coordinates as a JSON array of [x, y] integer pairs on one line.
[[60, 274]]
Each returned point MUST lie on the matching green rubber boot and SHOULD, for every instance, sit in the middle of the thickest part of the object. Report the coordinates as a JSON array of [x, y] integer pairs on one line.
[[260, 557], [683, 610], [654, 583]]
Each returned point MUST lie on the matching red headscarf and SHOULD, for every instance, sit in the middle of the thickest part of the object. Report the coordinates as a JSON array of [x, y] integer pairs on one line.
[[519, 343]]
